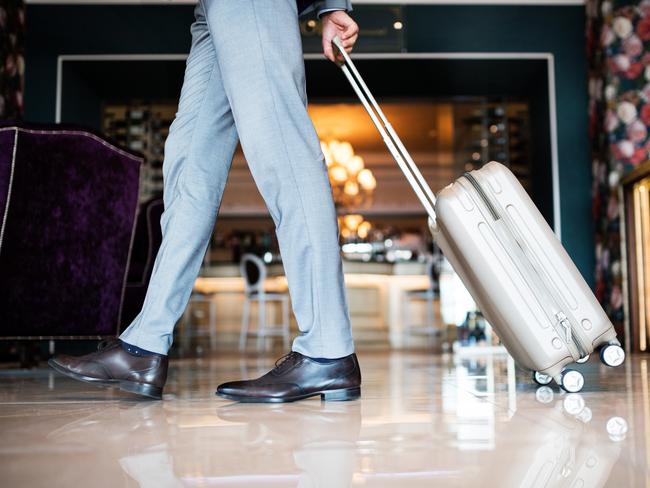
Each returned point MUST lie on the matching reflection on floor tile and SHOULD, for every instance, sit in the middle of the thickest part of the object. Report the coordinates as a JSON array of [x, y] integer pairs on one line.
[[424, 420]]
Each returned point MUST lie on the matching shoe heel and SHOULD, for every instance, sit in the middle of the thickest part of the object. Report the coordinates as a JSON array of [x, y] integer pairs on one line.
[[341, 395], [143, 389]]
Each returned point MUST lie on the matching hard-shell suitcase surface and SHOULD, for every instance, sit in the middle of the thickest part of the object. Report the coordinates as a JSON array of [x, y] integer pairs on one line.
[[507, 256]]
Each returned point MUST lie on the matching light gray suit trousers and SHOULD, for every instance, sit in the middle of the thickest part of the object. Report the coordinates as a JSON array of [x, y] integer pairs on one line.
[[245, 79]]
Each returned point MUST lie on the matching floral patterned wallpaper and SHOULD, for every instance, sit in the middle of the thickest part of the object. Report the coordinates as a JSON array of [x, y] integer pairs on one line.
[[12, 60], [618, 47]]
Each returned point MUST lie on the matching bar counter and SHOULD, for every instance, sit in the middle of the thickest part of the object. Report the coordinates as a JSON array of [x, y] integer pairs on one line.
[[375, 294]]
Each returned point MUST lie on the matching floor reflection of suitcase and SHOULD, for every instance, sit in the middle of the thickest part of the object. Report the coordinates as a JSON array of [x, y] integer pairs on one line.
[[509, 259], [555, 449]]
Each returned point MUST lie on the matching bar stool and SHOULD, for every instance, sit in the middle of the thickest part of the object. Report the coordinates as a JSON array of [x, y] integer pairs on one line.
[[428, 295], [253, 270], [194, 312]]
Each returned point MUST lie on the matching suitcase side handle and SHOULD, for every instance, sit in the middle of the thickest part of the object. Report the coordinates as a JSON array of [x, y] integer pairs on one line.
[[388, 134]]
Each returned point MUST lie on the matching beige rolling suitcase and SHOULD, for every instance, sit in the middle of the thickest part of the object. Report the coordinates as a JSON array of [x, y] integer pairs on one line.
[[510, 261]]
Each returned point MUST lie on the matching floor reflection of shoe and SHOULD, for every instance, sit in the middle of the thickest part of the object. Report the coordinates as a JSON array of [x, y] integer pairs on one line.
[[321, 436], [139, 425], [111, 365], [298, 424], [296, 377]]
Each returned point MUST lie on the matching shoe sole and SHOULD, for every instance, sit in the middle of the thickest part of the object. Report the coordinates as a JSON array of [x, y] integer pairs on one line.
[[343, 395], [141, 389]]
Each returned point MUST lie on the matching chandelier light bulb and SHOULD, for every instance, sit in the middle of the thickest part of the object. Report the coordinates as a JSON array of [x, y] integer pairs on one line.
[[339, 173], [333, 146], [354, 165], [351, 188], [343, 152], [363, 229], [352, 221], [367, 180]]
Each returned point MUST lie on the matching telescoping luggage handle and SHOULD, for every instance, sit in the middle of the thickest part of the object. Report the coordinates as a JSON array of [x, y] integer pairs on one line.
[[388, 134]]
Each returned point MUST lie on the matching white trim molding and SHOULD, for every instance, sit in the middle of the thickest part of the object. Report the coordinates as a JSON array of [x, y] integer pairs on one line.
[[102, 57], [545, 56]]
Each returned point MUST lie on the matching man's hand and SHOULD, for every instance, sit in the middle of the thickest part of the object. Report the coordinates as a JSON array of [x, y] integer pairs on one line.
[[338, 23]]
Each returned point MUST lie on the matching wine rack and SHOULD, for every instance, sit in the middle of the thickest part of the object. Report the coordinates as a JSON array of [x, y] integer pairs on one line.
[[141, 127], [493, 131]]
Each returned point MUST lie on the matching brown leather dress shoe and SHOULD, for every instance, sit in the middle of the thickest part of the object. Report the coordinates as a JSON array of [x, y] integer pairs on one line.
[[296, 377], [111, 365]]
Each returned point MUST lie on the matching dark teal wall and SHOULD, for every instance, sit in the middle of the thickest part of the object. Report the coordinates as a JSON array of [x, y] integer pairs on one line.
[[85, 29], [55, 30]]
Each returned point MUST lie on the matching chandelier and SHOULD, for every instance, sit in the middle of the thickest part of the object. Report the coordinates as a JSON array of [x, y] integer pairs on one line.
[[352, 183], [352, 186]]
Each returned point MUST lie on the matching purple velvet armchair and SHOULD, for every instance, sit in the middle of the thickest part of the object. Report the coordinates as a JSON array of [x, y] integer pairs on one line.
[[68, 204]]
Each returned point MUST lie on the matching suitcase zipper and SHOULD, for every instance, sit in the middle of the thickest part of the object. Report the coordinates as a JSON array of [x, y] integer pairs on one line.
[[483, 195], [563, 323]]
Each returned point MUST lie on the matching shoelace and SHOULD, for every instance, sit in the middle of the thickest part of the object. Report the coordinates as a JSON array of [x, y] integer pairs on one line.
[[286, 361]]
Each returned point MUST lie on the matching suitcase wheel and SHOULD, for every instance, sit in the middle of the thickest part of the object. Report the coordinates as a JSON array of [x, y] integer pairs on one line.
[[617, 428], [541, 378], [544, 394], [574, 404], [572, 381], [612, 355], [583, 360]]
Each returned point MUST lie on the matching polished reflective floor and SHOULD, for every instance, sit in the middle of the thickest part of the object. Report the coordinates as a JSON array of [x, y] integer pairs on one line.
[[424, 420]]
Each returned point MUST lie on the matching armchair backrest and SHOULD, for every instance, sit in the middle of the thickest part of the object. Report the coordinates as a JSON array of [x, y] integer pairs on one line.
[[68, 201]]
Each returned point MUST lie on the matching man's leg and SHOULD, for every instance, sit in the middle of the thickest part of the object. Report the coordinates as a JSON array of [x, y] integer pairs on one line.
[[259, 52], [198, 154]]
